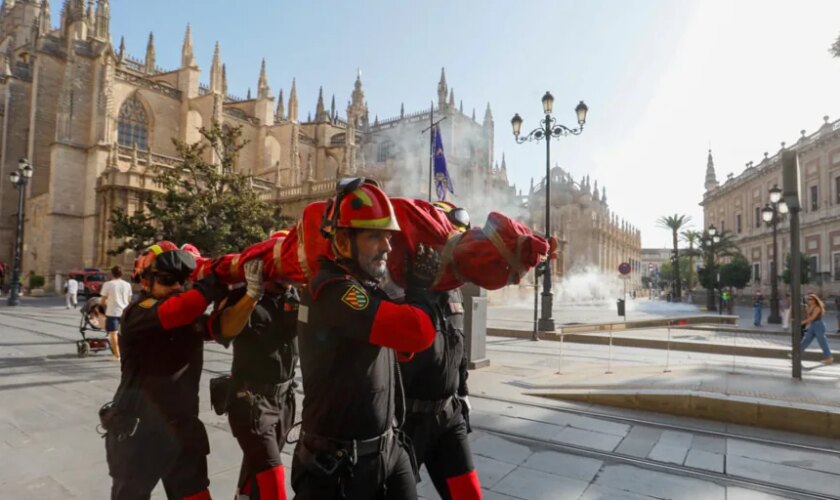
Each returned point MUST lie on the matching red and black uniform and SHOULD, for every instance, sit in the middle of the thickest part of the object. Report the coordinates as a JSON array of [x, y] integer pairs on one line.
[[161, 342], [262, 409], [348, 334], [435, 382]]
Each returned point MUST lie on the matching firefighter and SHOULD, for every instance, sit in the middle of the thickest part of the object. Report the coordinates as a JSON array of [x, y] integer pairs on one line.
[[437, 402], [262, 317], [348, 331], [152, 428]]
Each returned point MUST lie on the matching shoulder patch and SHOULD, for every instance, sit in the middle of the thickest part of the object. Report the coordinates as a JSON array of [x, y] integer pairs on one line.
[[356, 298], [148, 303]]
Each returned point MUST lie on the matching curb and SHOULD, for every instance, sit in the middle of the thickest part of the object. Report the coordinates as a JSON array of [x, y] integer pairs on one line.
[[600, 339], [804, 419]]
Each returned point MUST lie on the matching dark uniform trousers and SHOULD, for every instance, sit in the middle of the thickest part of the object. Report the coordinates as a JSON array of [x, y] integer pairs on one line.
[[174, 453], [260, 422], [383, 475], [440, 442]]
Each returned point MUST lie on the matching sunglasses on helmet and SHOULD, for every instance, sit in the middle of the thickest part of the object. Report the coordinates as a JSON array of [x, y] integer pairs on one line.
[[459, 217]]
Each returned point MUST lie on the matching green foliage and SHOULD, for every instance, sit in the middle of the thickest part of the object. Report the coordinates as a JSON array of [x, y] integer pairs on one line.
[[687, 273], [710, 254], [675, 223], [805, 270], [208, 205], [736, 273], [36, 281]]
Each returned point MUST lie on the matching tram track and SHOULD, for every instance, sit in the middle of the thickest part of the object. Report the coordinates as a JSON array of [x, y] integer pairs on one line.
[[653, 465]]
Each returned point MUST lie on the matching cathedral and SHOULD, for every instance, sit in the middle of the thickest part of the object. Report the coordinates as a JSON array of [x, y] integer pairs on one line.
[[96, 122]]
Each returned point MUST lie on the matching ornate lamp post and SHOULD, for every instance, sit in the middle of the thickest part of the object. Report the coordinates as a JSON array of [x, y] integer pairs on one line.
[[549, 128], [772, 214], [19, 178], [712, 239]]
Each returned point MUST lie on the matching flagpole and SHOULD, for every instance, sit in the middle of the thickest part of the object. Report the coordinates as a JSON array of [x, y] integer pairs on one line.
[[431, 129]]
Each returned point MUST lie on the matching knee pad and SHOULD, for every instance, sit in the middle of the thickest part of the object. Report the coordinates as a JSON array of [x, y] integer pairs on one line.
[[201, 495], [272, 483], [464, 487]]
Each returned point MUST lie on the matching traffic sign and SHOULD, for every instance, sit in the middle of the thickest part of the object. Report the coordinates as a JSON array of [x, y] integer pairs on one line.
[[624, 268]]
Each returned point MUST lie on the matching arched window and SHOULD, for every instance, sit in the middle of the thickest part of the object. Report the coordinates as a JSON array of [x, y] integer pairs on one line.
[[133, 124]]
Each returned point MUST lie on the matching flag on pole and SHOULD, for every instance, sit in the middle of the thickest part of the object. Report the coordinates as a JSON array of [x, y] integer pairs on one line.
[[442, 179]]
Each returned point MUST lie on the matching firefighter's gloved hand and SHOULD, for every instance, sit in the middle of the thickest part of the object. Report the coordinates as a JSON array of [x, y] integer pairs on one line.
[[423, 269], [254, 278], [211, 287]]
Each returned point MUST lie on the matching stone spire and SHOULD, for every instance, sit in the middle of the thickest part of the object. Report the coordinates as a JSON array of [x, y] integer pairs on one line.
[[452, 98], [187, 57], [320, 114], [357, 109], [333, 115], [216, 71], [91, 16], [293, 102], [280, 114], [473, 115], [442, 89], [248, 95], [711, 180], [595, 193], [402, 110], [44, 19], [121, 52], [263, 90], [461, 106], [224, 82], [488, 116], [604, 195], [150, 54], [103, 20]]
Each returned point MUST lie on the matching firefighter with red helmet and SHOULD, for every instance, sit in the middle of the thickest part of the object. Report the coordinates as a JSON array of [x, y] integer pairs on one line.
[[348, 332], [437, 405], [261, 320], [152, 428]]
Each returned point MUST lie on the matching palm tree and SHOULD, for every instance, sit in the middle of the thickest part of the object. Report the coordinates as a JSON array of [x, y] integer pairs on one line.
[[675, 223], [691, 237], [710, 253]]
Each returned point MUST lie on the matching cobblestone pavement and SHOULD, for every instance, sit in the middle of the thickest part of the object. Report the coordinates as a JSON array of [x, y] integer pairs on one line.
[[49, 447]]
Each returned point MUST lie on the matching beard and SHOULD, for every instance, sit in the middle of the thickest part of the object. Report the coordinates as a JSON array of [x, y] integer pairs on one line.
[[376, 267]]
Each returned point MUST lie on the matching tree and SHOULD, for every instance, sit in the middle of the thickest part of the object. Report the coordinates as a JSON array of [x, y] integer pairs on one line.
[[687, 273], [691, 237], [675, 223], [805, 270], [735, 273], [206, 204], [710, 252], [835, 47]]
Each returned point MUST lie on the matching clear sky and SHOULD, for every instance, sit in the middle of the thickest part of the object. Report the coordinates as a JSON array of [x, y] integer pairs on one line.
[[664, 79]]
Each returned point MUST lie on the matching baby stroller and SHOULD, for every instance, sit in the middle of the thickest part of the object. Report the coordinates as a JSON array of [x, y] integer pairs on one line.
[[93, 318]]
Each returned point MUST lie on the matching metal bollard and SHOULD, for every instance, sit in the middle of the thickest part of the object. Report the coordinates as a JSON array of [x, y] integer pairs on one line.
[[560, 354], [668, 351], [734, 346], [609, 354]]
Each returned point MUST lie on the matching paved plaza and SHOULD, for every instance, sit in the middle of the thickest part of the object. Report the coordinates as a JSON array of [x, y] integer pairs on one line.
[[525, 447]]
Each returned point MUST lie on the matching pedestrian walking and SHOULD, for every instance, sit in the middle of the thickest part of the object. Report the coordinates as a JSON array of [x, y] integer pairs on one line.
[[814, 312], [71, 289], [115, 295], [261, 321], [152, 428], [437, 398], [758, 302], [837, 310], [350, 444]]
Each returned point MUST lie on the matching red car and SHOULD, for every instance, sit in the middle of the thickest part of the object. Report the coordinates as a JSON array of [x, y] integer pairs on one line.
[[90, 281]]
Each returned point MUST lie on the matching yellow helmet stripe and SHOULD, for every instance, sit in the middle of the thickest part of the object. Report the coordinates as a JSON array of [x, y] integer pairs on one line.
[[364, 197], [156, 249], [382, 222]]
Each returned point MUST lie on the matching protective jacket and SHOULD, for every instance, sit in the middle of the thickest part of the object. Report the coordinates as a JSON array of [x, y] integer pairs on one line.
[[348, 332]]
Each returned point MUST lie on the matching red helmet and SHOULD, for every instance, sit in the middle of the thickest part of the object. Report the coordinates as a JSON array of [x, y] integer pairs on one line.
[[359, 205], [459, 217], [146, 262], [189, 247]]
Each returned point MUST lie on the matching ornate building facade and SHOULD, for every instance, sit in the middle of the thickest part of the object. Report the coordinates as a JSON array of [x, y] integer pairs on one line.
[[735, 206], [591, 235], [94, 121]]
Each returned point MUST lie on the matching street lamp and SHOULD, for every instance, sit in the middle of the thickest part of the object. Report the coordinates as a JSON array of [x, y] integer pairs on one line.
[[19, 178], [712, 238], [772, 214], [549, 128]]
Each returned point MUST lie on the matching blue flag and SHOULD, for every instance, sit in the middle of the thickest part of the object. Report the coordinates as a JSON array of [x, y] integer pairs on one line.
[[442, 179]]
